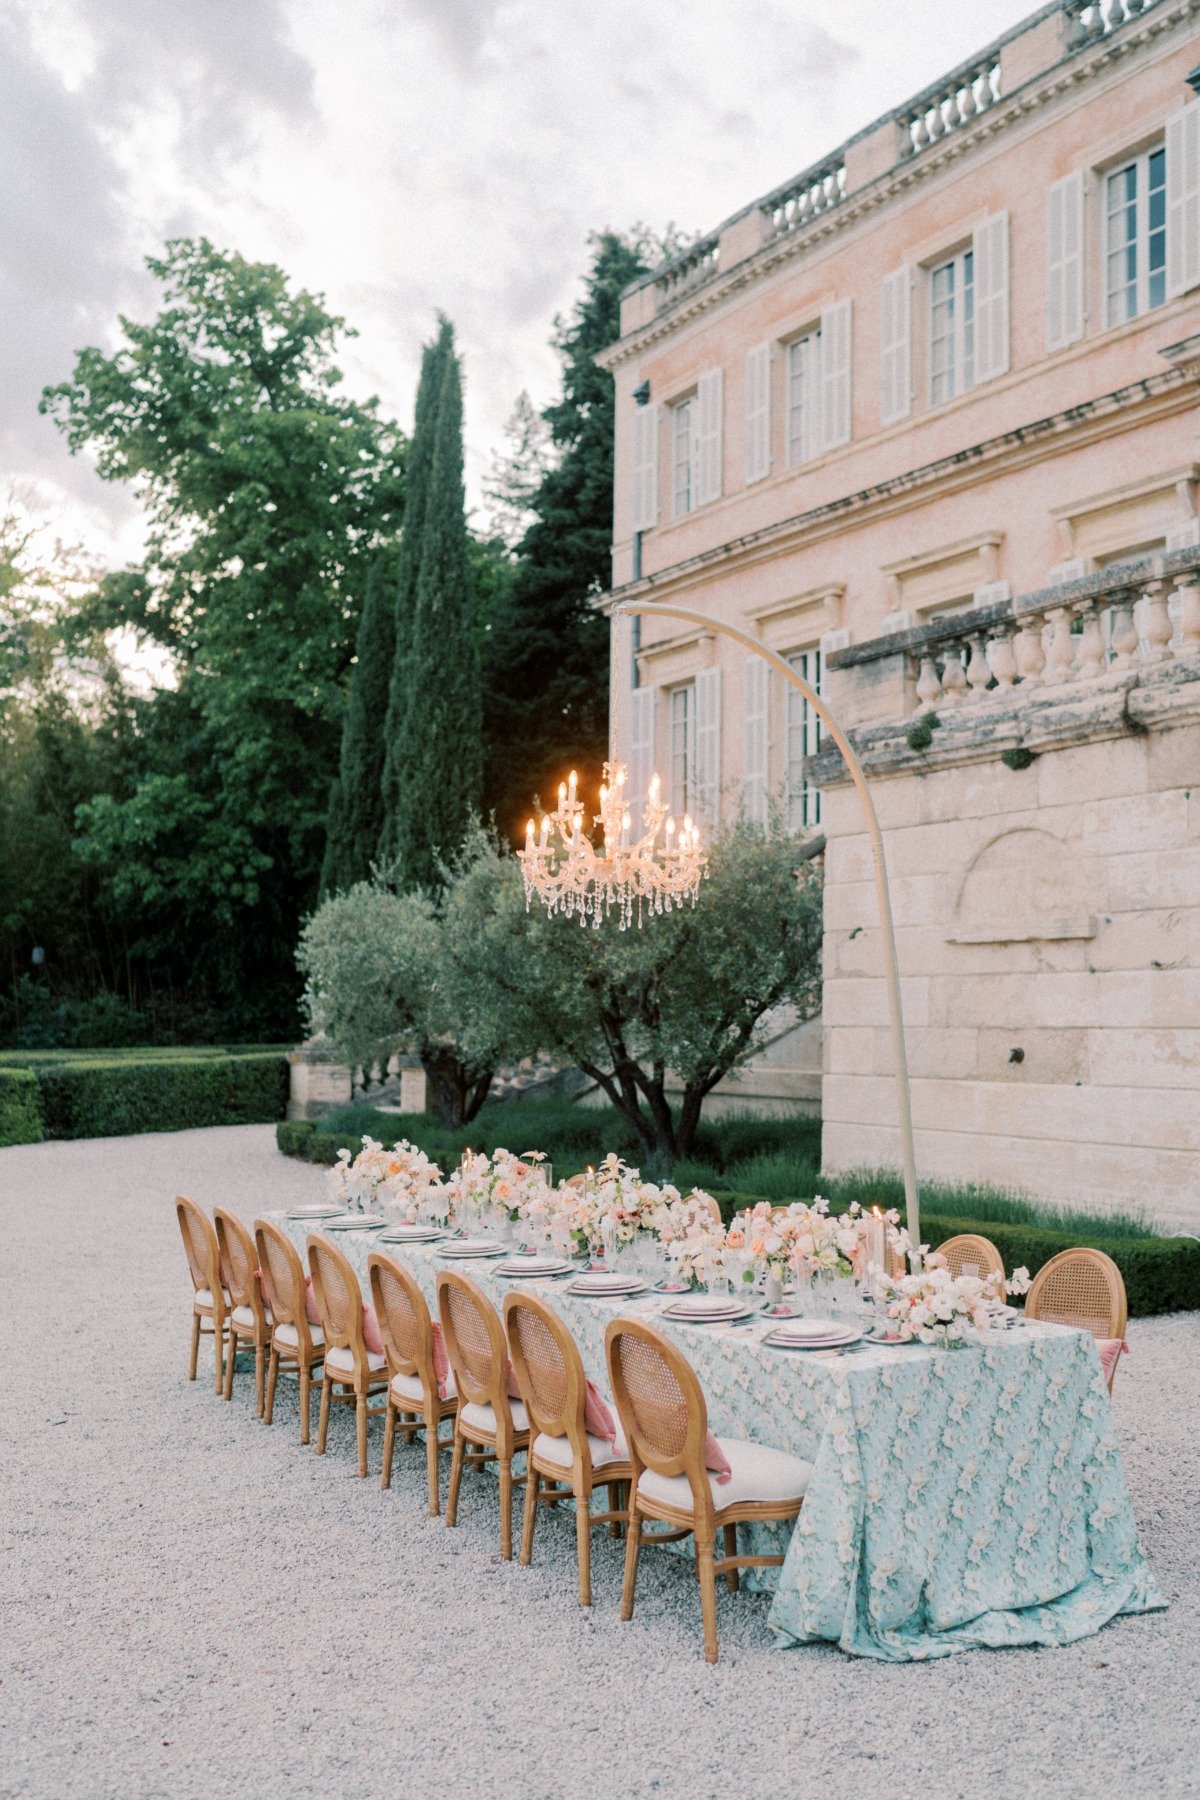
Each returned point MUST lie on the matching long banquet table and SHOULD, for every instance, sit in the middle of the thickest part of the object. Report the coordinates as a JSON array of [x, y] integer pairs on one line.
[[958, 1500]]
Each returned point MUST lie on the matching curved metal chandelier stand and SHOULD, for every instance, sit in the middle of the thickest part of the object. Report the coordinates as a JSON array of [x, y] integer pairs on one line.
[[663, 609]]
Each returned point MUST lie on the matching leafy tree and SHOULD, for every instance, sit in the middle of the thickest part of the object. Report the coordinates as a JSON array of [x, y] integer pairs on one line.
[[517, 473], [676, 1004], [356, 802], [546, 669], [269, 495], [435, 757]]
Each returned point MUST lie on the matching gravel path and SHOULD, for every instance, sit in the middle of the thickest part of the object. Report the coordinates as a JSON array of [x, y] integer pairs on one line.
[[190, 1604]]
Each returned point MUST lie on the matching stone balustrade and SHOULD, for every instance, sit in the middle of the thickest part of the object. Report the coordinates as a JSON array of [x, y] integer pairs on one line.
[[817, 190], [694, 267], [949, 103], [1088, 20], [1131, 616]]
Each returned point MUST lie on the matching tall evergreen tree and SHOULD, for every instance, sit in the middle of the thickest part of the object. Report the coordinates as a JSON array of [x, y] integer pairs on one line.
[[356, 799], [419, 470], [437, 752], [546, 671]]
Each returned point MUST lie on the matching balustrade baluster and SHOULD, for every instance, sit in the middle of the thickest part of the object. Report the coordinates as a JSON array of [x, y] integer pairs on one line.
[[1091, 641], [954, 680], [1029, 649], [1157, 627], [1062, 645], [929, 687], [1188, 590], [979, 673], [1124, 631], [1001, 656]]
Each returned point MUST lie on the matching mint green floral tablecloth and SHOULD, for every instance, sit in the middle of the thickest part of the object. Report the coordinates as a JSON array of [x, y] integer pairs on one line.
[[959, 1499]]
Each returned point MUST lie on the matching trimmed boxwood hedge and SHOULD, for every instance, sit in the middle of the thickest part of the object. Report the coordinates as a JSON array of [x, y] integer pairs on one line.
[[1161, 1274], [113, 1097], [20, 1120]]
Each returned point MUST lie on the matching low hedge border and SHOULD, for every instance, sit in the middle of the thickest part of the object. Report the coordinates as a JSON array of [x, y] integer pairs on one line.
[[1161, 1274], [119, 1096], [20, 1119]]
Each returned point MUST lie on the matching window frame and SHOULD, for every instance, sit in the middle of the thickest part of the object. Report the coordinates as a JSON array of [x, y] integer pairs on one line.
[[681, 744], [1144, 231], [961, 335], [802, 738], [683, 428], [805, 343]]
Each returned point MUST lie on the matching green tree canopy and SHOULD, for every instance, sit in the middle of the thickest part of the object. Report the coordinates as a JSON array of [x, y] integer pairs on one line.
[[356, 802]]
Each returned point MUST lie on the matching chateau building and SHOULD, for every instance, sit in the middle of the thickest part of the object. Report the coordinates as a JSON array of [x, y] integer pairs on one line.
[[941, 384]]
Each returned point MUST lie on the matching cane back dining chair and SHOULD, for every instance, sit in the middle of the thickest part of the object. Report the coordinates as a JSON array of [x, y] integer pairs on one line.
[[488, 1426], [564, 1458], [294, 1342], [1083, 1288], [349, 1366], [210, 1301], [414, 1401], [249, 1318], [663, 1412], [970, 1253]]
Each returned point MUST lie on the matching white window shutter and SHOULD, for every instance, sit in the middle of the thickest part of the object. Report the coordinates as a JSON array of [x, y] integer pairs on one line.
[[811, 387], [1064, 262], [709, 441], [645, 468], [1183, 200], [896, 337], [708, 744], [991, 298], [641, 752], [835, 375], [758, 412], [755, 694]]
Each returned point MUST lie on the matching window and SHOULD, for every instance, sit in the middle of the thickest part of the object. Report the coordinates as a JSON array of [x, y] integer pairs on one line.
[[803, 739], [681, 457], [683, 750], [952, 328], [1135, 237], [804, 398]]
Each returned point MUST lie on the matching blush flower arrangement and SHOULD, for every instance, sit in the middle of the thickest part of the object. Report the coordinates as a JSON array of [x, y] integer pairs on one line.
[[402, 1179], [936, 1307]]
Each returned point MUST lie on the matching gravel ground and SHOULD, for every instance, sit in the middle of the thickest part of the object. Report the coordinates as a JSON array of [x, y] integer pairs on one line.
[[190, 1604]]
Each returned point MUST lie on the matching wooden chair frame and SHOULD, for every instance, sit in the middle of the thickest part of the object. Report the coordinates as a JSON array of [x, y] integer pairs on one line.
[[419, 1367], [506, 1442], [343, 1331], [239, 1273], [704, 1518], [546, 1481], [1088, 1267], [972, 1247], [287, 1308], [204, 1265]]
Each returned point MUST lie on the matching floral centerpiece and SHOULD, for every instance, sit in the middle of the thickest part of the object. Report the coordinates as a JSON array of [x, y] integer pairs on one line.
[[936, 1307], [402, 1179], [611, 1206], [514, 1186]]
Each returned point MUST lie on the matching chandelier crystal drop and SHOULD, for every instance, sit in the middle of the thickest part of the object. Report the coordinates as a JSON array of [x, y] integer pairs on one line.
[[661, 869]]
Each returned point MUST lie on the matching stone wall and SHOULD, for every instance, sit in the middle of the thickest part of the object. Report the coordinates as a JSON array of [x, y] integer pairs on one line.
[[1048, 932]]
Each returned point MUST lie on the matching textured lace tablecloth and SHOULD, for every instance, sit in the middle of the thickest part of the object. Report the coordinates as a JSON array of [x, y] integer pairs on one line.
[[959, 1499]]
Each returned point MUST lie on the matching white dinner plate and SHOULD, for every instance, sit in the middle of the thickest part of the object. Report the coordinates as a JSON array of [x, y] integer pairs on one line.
[[533, 1265], [740, 1311], [354, 1222], [704, 1305], [319, 1211], [780, 1340], [611, 1285], [812, 1328], [411, 1234], [469, 1247]]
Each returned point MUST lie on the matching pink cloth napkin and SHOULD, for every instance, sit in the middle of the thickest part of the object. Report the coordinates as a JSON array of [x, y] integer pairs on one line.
[[310, 1302], [372, 1336], [441, 1362], [716, 1460], [597, 1415], [1110, 1354]]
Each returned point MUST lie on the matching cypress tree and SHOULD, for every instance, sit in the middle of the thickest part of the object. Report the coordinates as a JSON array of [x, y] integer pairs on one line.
[[419, 470], [437, 752], [356, 799]]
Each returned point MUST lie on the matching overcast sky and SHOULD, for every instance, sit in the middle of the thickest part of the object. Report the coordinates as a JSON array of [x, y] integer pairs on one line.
[[400, 156]]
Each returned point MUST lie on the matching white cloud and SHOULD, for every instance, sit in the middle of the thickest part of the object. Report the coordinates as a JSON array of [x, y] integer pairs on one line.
[[404, 156]]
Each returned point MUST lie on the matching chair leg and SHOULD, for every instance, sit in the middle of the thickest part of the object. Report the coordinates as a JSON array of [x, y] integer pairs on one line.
[[583, 1548], [389, 1440], [431, 1464], [272, 1378], [195, 1351], [323, 1415], [360, 1419], [305, 1403], [732, 1579], [456, 1469], [506, 1487], [258, 1378], [218, 1355], [533, 1487], [614, 1505], [708, 1597], [230, 1360], [633, 1544]]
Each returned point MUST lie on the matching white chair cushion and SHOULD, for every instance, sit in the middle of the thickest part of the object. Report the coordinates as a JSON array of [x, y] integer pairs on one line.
[[204, 1296], [759, 1474], [244, 1315], [558, 1450], [341, 1362], [286, 1335], [407, 1388], [483, 1418]]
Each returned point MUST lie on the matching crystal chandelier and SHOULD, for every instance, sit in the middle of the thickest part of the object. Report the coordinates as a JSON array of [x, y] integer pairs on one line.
[[629, 875]]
